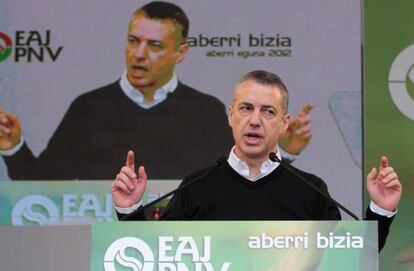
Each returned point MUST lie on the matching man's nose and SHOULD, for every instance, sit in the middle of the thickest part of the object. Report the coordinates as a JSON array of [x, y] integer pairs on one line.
[[141, 51], [255, 118]]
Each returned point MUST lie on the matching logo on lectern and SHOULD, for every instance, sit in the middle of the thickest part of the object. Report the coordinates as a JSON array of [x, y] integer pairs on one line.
[[173, 254], [116, 253]]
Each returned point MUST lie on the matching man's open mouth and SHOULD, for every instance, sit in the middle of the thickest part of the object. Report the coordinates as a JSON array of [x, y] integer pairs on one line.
[[253, 138], [139, 68]]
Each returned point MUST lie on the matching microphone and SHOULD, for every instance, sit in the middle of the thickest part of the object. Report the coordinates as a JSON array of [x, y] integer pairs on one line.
[[273, 157], [142, 208]]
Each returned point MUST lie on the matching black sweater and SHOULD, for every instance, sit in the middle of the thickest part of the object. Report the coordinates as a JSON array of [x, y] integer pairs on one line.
[[184, 133], [225, 195]]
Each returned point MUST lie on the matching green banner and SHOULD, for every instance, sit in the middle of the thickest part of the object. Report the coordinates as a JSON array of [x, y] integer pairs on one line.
[[389, 113], [235, 245], [34, 203]]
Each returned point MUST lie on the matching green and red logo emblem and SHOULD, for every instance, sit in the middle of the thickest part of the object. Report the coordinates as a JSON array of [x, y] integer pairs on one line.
[[5, 46]]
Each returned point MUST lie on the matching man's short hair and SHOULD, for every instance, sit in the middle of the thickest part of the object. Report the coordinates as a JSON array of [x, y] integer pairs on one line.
[[268, 79], [160, 10]]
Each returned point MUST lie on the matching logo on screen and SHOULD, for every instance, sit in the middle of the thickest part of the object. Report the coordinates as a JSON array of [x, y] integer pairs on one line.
[[5, 46], [116, 253], [36, 210], [401, 82], [29, 46], [173, 253]]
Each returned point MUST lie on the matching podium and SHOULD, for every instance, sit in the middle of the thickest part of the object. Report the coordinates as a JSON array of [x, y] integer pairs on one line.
[[195, 245], [156, 245], [234, 245]]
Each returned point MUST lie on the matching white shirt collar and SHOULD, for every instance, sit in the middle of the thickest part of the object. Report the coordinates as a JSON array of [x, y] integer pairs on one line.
[[137, 97], [241, 167]]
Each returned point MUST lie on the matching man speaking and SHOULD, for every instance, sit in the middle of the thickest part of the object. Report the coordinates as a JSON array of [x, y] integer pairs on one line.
[[148, 110], [248, 185]]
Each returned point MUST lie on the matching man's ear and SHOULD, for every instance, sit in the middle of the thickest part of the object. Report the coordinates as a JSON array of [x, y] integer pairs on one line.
[[230, 115], [285, 123], [182, 52]]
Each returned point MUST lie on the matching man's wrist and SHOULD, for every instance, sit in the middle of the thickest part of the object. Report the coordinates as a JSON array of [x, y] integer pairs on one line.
[[128, 210], [380, 211], [288, 156], [13, 150]]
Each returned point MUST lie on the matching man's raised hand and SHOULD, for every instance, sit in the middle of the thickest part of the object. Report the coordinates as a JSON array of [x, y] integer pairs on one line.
[[129, 186], [383, 186]]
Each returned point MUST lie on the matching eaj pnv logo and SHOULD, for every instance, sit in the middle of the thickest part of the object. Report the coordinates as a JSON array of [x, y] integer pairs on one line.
[[5, 46], [401, 81], [37, 209], [172, 253], [116, 253], [29, 46], [40, 210]]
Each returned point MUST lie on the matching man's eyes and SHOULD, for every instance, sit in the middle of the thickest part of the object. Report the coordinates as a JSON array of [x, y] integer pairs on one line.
[[245, 108], [134, 42], [269, 112], [266, 112], [157, 45]]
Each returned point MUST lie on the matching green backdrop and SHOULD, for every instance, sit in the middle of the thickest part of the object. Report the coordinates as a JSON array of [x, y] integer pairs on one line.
[[388, 113]]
